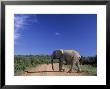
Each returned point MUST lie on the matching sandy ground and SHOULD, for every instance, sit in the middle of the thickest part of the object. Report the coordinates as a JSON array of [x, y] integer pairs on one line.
[[46, 70]]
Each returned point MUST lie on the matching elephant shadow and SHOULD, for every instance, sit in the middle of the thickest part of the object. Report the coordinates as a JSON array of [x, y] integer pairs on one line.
[[49, 71], [39, 71]]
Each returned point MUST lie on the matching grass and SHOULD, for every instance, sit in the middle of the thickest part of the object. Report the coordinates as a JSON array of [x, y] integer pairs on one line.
[[21, 63], [89, 69], [86, 68]]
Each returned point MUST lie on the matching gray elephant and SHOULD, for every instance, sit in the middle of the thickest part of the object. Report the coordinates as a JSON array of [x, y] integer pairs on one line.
[[71, 56]]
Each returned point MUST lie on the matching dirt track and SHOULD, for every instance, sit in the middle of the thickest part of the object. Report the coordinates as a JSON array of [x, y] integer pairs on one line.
[[46, 70]]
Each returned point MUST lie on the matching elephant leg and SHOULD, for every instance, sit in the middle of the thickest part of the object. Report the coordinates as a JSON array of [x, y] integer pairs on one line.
[[71, 66], [78, 66], [65, 61], [61, 65]]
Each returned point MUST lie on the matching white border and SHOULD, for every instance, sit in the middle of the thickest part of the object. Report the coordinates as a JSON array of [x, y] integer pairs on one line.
[[100, 10]]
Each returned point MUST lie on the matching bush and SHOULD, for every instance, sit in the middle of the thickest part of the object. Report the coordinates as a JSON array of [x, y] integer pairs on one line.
[[89, 60], [22, 62]]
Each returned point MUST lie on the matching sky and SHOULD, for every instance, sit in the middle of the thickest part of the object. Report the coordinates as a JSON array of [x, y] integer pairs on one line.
[[43, 33]]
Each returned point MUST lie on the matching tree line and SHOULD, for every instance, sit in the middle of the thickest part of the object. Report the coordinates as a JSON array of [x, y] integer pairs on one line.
[[90, 60]]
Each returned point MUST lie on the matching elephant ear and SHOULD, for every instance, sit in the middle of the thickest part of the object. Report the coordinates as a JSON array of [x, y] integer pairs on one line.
[[61, 51]]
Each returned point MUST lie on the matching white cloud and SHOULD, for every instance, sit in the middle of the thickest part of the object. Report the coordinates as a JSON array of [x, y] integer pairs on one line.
[[17, 35], [20, 21], [57, 33]]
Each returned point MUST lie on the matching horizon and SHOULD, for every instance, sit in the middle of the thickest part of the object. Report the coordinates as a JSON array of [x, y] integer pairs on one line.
[[41, 34], [45, 55]]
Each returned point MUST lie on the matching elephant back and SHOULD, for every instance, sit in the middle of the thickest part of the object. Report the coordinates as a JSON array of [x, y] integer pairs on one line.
[[72, 53]]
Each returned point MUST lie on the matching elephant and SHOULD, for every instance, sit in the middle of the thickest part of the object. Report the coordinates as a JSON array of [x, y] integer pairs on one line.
[[66, 55]]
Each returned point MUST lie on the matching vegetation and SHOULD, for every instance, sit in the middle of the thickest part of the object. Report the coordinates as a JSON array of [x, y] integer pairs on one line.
[[22, 62], [89, 64], [89, 69], [89, 60]]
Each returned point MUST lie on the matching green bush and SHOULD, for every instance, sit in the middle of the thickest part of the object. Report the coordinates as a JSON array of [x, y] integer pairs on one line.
[[22, 62], [91, 60]]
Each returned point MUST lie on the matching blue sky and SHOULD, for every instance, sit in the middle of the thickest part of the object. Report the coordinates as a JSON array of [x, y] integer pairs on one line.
[[43, 33]]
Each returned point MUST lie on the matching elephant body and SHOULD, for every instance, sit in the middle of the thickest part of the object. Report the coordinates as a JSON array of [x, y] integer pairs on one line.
[[69, 56]]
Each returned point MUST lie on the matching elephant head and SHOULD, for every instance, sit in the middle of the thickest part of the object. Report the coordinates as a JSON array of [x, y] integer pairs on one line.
[[57, 54]]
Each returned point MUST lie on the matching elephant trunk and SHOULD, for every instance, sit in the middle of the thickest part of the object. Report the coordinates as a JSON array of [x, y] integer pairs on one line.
[[52, 64], [52, 57]]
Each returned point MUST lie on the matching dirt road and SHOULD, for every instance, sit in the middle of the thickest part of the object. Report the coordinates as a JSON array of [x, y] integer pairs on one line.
[[46, 70]]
